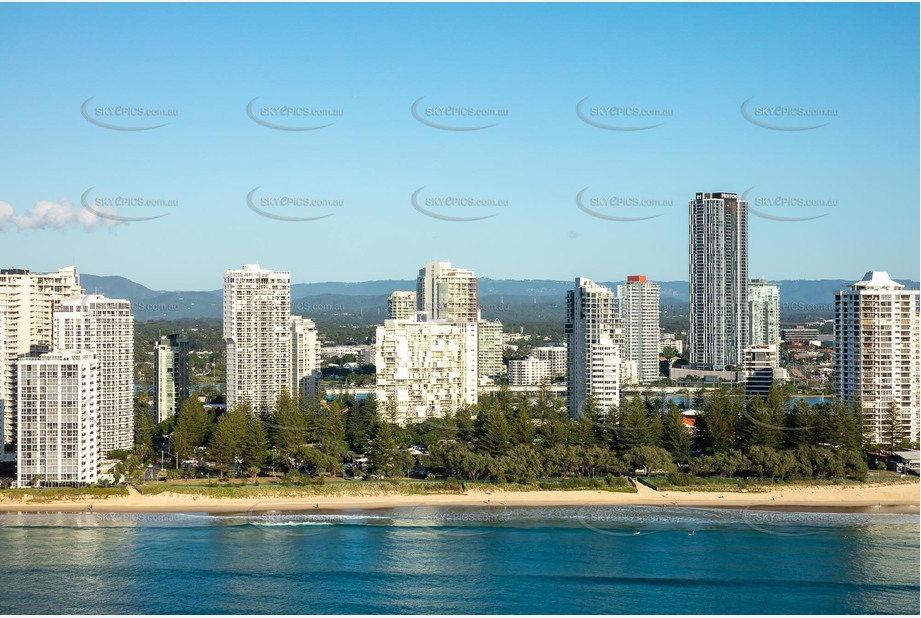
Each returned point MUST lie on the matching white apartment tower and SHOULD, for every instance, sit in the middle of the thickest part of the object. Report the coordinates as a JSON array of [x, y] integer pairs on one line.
[[763, 313], [638, 301], [450, 294], [426, 368], [878, 352], [105, 327], [718, 252], [593, 356], [58, 420], [401, 305], [305, 358], [257, 333], [27, 302], [447, 293]]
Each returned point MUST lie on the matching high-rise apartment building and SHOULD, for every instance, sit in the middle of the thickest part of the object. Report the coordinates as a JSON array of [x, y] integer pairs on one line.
[[257, 333], [760, 368], [58, 420], [638, 302], [447, 293], [401, 305], [718, 251], [425, 368], [105, 327], [170, 374], [878, 353], [450, 294], [27, 302], [763, 313], [592, 339], [305, 358], [490, 348]]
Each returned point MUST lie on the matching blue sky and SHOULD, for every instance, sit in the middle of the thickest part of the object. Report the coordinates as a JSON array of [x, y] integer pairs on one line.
[[855, 64]]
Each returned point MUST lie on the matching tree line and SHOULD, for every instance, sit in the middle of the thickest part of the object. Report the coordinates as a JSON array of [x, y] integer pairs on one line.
[[520, 439]]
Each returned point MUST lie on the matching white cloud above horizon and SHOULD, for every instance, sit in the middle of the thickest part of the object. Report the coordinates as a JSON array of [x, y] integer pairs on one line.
[[62, 215]]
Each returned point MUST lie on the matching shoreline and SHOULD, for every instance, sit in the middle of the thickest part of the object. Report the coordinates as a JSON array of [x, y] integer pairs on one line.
[[901, 498]]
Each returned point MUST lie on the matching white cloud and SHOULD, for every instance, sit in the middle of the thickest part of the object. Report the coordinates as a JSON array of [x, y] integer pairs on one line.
[[6, 213], [55, 215]]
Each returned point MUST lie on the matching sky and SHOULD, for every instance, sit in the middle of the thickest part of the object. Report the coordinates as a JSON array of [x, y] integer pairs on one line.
[[521, 141]]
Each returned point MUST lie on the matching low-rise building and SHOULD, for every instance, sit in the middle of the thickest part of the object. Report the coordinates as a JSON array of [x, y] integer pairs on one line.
[[555, 355], [529, 372], [800, 334]]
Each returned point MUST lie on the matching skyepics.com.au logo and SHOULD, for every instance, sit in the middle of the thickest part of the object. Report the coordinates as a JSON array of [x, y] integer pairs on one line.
[[137, 519], [126, 117], [807, 307], [107, 206], [306, 308], [622, 117], [293, 207], [786, 117], [461, 522], [457, 117], [791, 523], [771, 207], [296, 525], [158, 308], [620, 207], [457, 207], [292, 117], [624, 521]]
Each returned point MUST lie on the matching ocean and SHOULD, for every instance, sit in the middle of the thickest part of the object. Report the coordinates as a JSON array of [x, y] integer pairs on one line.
[[495, 560]]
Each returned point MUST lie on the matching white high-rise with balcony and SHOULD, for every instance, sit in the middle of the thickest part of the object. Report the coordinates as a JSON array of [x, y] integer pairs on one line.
[[305, 358], [718, 265], [105, 327], [27, 303], [878, 353], [401, 305], [451, 294], [763, 314], [593, 347], [257, 333], [58, 420], [638, 301], [447, 293], [425, 368]]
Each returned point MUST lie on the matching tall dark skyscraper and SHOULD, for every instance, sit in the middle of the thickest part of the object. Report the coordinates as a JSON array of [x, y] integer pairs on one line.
[[718, 265]]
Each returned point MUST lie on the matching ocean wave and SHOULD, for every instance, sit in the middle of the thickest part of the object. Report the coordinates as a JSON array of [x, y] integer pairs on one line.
[[588, 515]]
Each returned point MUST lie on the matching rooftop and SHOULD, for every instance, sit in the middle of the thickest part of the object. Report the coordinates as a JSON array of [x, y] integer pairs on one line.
[[878, 280]]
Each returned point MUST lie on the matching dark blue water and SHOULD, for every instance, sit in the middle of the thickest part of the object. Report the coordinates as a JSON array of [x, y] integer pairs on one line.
[[489, 560], [683, 400]]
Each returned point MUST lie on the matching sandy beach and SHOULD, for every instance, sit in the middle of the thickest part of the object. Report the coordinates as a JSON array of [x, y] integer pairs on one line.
[[882, 498]]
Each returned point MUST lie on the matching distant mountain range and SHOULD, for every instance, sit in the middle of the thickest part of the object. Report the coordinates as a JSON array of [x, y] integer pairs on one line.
[[522, 300]]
